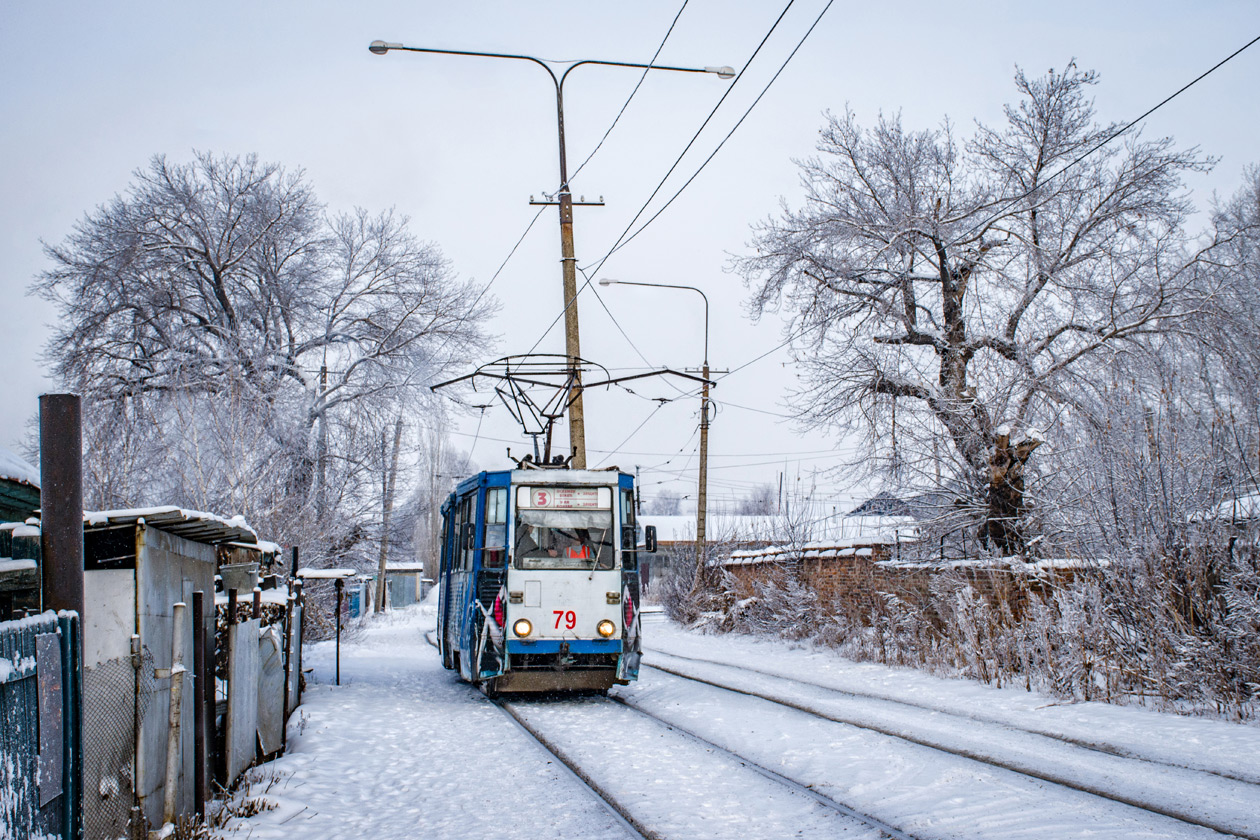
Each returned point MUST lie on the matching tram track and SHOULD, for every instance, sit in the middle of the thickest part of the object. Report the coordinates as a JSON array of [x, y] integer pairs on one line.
[[940, 709], [1231, 828], [619, 812], [623, 815]]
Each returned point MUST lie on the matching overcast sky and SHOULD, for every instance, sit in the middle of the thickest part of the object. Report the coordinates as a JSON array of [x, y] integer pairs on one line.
[[91, 91]]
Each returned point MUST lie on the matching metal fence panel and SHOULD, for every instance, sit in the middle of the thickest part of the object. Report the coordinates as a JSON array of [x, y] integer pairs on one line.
[[115, 693], [34, 687], [295, 660], [51, 716], [242, 716], [270, 691]]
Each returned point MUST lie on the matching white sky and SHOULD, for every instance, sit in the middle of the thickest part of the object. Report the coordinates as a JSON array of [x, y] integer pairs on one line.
[[88, 93]]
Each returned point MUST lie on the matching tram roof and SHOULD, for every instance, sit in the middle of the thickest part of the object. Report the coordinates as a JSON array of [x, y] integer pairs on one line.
[[608, 477]]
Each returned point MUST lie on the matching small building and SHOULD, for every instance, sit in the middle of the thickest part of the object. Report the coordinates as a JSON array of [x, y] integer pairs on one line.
[[137, 565]]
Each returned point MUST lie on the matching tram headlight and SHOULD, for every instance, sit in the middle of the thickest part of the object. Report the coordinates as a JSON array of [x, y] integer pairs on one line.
[[522, 627], [606, 628]]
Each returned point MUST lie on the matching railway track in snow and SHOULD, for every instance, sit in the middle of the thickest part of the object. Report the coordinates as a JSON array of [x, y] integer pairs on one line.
[[646, 813], [541, 718], [1224, 803]]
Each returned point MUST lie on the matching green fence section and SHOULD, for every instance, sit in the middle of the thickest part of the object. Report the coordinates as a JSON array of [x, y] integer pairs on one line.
[[40, 748]]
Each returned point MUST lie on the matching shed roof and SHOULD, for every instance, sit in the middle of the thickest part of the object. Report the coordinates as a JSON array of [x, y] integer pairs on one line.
[[194, 525]]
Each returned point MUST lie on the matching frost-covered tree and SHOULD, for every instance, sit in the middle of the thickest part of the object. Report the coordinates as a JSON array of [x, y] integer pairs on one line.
[[239, 347], [946, 290]]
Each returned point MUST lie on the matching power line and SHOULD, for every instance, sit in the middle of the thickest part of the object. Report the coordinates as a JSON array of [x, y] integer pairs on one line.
[[690, 143], [643, 76], [1109, 138], [764, 91]]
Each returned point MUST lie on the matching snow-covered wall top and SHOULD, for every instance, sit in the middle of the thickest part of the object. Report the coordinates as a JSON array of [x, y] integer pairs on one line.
[[15, 469]]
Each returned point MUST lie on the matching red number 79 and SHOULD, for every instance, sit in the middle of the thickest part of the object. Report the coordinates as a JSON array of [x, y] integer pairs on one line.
[[568, 616]]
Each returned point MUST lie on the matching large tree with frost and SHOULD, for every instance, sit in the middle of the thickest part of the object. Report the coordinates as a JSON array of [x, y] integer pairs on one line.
[[951, 290], [242, 348]]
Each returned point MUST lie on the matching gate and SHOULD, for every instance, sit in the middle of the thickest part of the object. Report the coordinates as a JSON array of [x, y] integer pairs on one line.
[[40, 752]]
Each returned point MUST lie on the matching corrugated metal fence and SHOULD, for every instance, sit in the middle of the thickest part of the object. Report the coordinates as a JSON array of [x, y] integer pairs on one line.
[[40, 755]]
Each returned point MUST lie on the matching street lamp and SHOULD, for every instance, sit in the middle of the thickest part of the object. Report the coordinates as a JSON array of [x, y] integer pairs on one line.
[[577, 422], [702, 491]]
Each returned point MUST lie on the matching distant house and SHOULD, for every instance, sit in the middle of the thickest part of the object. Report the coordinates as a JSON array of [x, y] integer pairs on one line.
[[19, 488], [19, 542]]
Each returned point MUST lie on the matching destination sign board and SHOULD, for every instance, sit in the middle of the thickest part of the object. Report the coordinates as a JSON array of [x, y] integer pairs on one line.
[[564, 497]]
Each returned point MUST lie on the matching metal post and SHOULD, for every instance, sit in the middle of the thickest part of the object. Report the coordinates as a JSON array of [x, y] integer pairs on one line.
[[339, 585], [61, 501], [200, 678], [703, 491], [257, 611], [300, 600], [210, 698]]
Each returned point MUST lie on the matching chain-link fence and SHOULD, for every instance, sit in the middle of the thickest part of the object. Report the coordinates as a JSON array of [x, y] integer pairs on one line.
[[115, 694]]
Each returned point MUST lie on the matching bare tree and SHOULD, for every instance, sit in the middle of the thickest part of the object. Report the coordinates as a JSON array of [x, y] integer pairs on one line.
[[938, 289], [665, 503], [241, 346], [761, 500]]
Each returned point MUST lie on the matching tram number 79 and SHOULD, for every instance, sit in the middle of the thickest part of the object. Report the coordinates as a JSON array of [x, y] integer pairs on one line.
[[569, 617]]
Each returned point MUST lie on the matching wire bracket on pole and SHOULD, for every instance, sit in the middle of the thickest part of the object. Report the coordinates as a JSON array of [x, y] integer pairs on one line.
[[538, 388]]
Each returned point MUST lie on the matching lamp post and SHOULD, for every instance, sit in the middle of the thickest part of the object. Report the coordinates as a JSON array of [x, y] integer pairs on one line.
[[702, 491], [577, 422]]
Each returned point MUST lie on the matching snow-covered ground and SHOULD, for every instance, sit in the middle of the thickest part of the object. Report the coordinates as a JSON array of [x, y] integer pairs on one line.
[[403, 749]]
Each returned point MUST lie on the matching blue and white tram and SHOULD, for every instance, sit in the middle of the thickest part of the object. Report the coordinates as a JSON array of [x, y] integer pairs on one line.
[[539, 580]]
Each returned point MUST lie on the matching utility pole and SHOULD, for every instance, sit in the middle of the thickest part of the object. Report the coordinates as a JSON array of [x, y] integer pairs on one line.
[[703, 492], [387, 505], [577, 419]]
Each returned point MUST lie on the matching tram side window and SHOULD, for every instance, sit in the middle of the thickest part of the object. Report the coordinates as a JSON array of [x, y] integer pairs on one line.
[[495, 549], [467, 526], [629, 556]]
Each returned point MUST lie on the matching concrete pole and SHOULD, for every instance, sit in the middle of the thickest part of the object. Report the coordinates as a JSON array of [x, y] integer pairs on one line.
[[61, 501], [169, 786], [568, 263]]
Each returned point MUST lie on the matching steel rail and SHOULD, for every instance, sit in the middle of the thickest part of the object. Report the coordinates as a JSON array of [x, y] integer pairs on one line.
[[1105, 749], [795, 786], [1014, 767]]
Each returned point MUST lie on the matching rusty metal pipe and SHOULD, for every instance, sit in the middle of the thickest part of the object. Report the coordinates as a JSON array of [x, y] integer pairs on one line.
[[61, 501]]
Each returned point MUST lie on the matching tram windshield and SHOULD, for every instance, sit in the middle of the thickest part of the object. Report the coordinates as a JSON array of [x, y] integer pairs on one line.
[[564, 539]]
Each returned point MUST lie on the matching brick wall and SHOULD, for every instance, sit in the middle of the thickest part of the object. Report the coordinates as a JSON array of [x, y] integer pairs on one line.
[[854, 582]]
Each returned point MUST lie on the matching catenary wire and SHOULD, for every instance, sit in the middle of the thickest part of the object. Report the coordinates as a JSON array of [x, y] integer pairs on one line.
[[1029, 192], [626, 104], [735, 82], [622, 243]]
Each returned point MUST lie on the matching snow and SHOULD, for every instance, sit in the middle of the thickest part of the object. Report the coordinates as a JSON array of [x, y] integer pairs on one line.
[[8, 565], [16, 469], [326, 574], [405, 567], [402, 749]]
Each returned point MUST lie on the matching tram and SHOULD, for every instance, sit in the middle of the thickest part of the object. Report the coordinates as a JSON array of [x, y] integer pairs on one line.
[[539, 582]]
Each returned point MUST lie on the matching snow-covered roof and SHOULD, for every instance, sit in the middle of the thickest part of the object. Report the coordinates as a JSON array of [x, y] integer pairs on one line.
[[837, 530], [194, 525], [1241, 508], [404, 567], [14, 468], [851, 536], [326, 574]]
